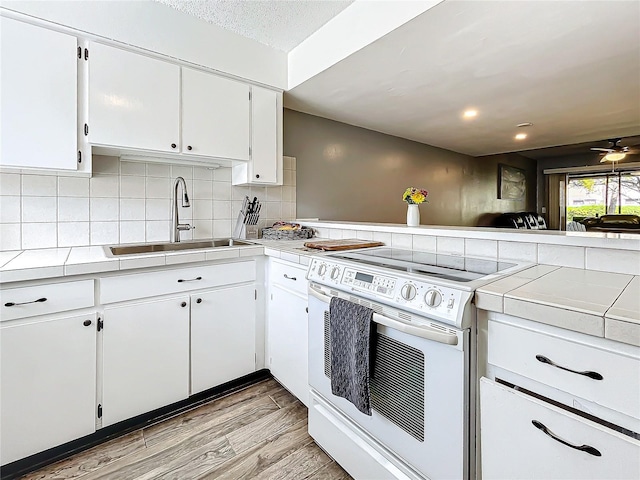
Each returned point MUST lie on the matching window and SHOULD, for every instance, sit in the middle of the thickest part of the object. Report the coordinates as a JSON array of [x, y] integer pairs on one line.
[[595, 195]]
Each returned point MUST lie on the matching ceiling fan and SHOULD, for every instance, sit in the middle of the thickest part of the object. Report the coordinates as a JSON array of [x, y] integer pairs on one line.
[[615, 152]]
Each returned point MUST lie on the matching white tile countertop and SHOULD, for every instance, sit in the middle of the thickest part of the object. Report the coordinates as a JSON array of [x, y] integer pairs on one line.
[[621, 241], [596, 303], [16, 266]]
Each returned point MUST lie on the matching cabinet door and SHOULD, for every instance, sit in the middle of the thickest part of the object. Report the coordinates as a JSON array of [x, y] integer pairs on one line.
[[514, 447], [134, 100], [264, 135], [145, 357], [287, 338], [38, 97], [215, 116], [48, 384], [223, 345]]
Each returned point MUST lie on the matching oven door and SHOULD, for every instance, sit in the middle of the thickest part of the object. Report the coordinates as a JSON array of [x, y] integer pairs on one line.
[[419, 390]]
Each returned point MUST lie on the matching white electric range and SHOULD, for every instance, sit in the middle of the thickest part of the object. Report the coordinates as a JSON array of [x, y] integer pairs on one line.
[[422, 378]]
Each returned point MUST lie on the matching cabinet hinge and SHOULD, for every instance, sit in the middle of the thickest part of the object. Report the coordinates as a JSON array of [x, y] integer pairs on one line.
[[255, 294], [99, 410], [249, 151], [80, 52], [86, 54], [86, 129], [79, 156], [249, 94], [100, 324], [272, 296]]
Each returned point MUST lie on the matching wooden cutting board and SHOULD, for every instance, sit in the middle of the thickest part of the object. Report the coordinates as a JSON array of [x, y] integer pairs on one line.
[[344, 244]]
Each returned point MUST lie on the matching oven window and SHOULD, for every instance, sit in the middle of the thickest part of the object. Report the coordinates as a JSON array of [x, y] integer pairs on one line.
[[397, 383]]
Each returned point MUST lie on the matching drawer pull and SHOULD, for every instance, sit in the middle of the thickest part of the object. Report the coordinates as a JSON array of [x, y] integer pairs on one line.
[[594, 375], [13, 304], [290, 278], [584, 448], [180, 280]]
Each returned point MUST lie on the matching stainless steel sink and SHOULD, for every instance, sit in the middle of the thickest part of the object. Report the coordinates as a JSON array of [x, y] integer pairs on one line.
[[118, 250]]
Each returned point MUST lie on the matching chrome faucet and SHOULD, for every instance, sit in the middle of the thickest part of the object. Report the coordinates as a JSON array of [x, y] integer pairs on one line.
[[176, 226]]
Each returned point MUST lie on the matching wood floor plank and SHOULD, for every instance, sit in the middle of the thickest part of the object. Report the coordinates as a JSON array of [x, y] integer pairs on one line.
[[92, 459], [266, 427], [156, 459], [185, 421], [185, 440], [297, 465], [260, 457], [194, 463], [283, 398], [331, 471]]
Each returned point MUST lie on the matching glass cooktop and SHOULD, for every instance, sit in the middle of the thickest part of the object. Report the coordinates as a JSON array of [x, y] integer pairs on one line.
[[449, 267]]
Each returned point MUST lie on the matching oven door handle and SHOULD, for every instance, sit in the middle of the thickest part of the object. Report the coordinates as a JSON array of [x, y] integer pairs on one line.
[[425, 332]]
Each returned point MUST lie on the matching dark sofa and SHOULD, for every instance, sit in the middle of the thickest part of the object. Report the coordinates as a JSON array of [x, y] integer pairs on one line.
[[521, 220], [613, 223]]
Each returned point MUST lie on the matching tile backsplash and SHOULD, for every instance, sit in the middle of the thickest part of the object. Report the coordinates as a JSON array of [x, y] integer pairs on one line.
[[129, 202]]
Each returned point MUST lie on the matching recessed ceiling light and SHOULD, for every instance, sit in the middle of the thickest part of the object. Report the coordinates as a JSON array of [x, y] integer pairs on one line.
[[521, 136], [470, 113]]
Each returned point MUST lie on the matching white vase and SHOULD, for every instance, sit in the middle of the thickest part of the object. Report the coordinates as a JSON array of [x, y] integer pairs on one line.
[[413, 215]]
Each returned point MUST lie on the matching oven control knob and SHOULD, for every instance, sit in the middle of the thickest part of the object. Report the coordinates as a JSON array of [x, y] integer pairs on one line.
[[322, 269], [408, 291], [432, 298], [335, 272]]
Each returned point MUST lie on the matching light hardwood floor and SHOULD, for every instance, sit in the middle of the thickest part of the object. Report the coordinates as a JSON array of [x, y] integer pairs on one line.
[[259, 432]]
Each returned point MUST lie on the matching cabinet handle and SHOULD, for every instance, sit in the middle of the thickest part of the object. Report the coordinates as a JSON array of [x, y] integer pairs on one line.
[[199, 300], [14, 304], [584, 448], [183, 304], [594, 375], [290, 278], [173, 145], [86, 323], [189, 147], [306, 309], [180, 280], [257, 175]]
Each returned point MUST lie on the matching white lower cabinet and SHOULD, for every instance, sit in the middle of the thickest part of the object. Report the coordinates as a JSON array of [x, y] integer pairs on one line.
[[288, 329], [288, 337], [48, 384], [526, 438], [145, 357], [223, 345]]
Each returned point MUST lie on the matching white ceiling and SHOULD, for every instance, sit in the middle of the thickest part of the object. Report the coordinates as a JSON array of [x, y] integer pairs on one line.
[[281, 24], [572, 68]]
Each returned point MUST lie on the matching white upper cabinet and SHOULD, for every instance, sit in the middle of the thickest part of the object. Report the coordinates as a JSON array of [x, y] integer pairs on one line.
[[215, 116], [134, 100], [265, 165], [39, 89]]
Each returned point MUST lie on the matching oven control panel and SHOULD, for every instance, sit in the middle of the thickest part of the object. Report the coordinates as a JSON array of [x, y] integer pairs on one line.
[[378, 284], [409, 293]]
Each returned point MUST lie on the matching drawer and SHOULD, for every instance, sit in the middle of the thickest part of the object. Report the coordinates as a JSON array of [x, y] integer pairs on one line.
[[288, 275], [525, 438], [47, 298], [129, 287], [593, 373]]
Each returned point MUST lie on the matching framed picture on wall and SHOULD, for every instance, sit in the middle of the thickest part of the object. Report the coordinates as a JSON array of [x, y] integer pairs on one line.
[[512, 183]]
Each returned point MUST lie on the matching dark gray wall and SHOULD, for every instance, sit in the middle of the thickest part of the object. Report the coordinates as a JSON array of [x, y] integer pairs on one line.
[[353, 174]]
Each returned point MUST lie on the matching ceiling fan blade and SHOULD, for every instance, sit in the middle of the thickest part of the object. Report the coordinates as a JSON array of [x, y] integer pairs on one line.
[[597, 149]]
